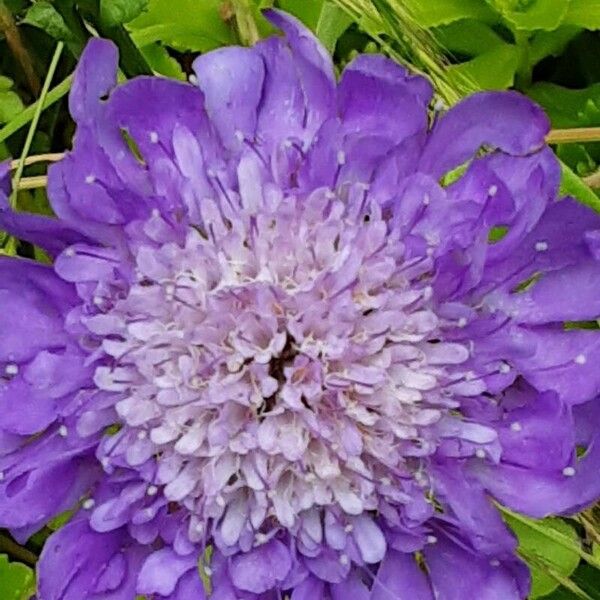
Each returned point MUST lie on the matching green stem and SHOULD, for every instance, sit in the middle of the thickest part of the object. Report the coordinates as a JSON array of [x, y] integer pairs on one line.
[[524, 71], [35, 120], [13, 550], [246, 25]]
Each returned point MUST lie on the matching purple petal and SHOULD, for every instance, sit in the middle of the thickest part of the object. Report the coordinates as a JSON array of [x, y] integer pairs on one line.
[[564, 361], [95, 77], [77, 564], [400, 578], [162, 570], [504, 120], [262, 568], [232, 82], [34, 302], [457, 574], [351, 587]]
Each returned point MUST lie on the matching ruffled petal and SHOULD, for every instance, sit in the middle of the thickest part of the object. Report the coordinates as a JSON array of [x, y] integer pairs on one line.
[[468, 508], [564, 361], [232, 82], [34, 304], [162, 571], [95, 77], [507, 121], [79, 564], [65, 465], [400, 578], [541, 492], [457, 573], [262, 568]]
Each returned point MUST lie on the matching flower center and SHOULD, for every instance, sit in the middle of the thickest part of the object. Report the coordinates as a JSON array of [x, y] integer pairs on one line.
[[283, 360]]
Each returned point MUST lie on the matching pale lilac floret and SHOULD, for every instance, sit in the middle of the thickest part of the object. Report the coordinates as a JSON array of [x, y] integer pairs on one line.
[[276, 356]]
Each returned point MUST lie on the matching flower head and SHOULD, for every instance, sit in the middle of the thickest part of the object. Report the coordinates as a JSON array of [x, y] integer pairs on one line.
[[274, 346]]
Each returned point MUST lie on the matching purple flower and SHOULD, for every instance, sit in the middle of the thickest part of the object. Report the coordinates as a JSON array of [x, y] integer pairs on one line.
[[275, 357]]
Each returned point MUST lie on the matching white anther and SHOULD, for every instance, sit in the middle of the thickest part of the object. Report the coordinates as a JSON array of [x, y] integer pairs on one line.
[[580, 359], [493, 190], [480, 453], [386, 481], [11, 369], [152, 490], [568, 471], [341, 157], [97, 300], [220, 501], [344, 560], [142, 434], [349, 528], [153, 137], [90, 179], [310, 477], [63, 431], [88, 504], [198, 528], [105, 461], [462, 322], [271, 494], [261, 538], [239, 135], [426, 199], [70, 252], [541, 246], [431, 539], [504, 368], [439, 105], [516, 426]]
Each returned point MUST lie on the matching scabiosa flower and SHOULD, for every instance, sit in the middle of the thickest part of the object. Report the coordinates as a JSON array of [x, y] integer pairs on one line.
[[275, 357]]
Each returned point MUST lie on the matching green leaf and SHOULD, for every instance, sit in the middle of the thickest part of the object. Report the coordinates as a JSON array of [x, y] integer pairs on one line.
[[10, 105], [183, 25], [538, 543], [162, 62], [468, 37], [432, 13], [10, 102], [333, 21], [568, 108], [45, 17], [583, 13], [308, 11], [118, 12], [572, 185], [550, 43], [586, 578], [495, 69], [532, 15], [17, 581]]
